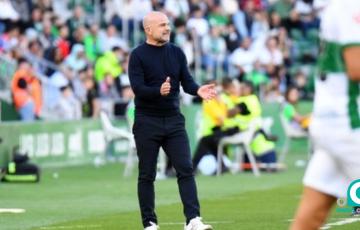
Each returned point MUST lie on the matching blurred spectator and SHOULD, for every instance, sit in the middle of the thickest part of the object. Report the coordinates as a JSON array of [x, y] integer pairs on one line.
[[214, 51], [217, 17], [197, 23], [283, 7], [107, 88], [35, 53], [26, 91], [78, 19], [44, 5], [232, 37], [275, 21], [177, 8], [272, 91], [256, 76], [110, 63], [92, 43], [110, 39], [229, 6], [62, 76], [78, 35], [256, 4], [8, 11], [36, 19], [23, 8], [9, 39], [243, 58], [54, 56], [63, 9], [260, 25], [296, 120], [118, 10], [67, 108], [127, 94], [62, 41], [157, 5], [261, 144], [76, 60], [125, 14], [91, 106], [86, 5], [293, 23], [183, 40], [300, 81], [285, 45], [46, 37], [271, 55], [243, 19], [24, 101]]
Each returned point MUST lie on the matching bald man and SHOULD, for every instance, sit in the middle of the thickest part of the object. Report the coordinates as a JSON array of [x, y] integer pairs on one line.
[[157, 68]]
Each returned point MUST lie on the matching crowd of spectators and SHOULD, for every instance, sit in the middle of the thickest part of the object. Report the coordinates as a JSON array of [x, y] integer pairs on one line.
[[72, 55]]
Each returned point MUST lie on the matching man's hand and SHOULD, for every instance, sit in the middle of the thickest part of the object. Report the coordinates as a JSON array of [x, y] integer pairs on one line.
[[207, 92], [165, 87]]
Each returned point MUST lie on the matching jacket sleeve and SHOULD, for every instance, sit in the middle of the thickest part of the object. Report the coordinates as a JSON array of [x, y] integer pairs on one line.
[[187, 81], [137, 82]]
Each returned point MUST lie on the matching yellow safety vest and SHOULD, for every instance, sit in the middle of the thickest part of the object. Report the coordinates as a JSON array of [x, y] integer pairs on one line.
[[230, 122], [211, 110]]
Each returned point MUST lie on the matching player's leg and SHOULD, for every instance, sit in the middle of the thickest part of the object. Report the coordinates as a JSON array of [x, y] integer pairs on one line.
[[324, 180], [313, 210], [176, 146], [147, 133]]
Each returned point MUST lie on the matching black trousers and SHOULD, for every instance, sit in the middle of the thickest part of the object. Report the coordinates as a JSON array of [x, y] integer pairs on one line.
[[169, 132]]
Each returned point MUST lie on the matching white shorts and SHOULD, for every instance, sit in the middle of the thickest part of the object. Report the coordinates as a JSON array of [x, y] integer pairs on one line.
[[336, 160]]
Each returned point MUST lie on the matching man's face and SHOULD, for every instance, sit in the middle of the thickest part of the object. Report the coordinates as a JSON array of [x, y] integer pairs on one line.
[[159, 29]]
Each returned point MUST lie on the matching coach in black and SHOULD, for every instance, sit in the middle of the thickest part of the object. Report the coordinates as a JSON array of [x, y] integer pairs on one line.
[[156, 70]]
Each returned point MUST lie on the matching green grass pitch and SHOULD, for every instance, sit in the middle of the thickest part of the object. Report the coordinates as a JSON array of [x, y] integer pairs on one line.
[[100, 198]]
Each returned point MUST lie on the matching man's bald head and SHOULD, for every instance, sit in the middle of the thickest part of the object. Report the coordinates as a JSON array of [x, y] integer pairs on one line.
[[157, 28], [153, 17]]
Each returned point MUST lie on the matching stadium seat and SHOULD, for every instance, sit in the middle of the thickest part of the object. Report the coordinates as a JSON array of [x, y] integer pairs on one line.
[[291, 133], [113, 133], [242, 139]]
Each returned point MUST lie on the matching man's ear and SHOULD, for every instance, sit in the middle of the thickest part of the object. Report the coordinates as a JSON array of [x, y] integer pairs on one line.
[[148, 29], [352, 62]]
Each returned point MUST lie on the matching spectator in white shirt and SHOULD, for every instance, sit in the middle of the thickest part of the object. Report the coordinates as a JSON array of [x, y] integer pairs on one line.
[[198, 23], [110, 39], [242, 59], [68, 107], [177, 8], [271, 54]]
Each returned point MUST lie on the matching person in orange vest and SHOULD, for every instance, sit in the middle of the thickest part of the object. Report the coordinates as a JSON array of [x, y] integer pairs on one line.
[[26, 91]]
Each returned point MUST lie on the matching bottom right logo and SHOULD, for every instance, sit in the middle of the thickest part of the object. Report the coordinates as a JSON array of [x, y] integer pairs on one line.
[[353, 199]]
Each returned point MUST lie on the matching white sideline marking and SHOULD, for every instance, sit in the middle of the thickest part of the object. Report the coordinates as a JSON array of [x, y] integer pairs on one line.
[[341, 222], [12, 210], [207, 222], [79, 226]]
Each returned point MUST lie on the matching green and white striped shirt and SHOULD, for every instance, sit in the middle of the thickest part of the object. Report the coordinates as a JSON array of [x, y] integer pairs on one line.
[[337, 98]]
